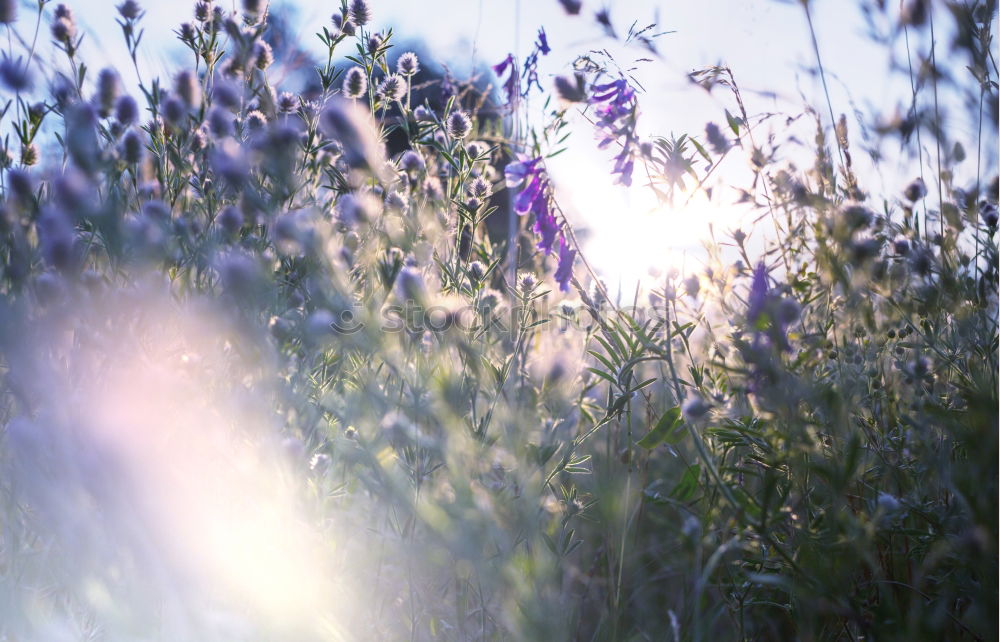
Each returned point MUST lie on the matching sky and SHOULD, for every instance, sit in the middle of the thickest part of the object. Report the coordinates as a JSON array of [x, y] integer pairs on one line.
[[765, 42]]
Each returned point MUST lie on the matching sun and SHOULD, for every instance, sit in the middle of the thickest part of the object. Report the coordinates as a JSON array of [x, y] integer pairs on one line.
[[631, 240]]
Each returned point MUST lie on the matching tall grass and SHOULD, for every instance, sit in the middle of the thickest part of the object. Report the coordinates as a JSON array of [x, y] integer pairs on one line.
[[334, 365]]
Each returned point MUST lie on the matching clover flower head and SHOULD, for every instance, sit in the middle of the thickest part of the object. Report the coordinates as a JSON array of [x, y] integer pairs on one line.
[[458, 124], [288, 103], [360, 12], [392, 88], [408, 64], [355, 83]]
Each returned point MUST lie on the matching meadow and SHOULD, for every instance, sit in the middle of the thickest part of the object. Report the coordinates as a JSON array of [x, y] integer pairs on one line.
[[321, 355]]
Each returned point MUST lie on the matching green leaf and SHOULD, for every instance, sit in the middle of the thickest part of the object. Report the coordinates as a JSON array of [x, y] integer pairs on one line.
[[688, 485], [664, 429]]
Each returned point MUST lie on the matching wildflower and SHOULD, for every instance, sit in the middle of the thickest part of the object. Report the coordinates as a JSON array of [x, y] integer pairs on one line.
[[130, 10], [572, 7], [220, 122], [21, 184], [230, 219], [255, 120], [901, 246], [347, 27], [251, 7], [8, 12], [63, 31], [573, 91], [692, 285], [288, 103], [396, 201], [352, 126], [186, 32], [715, 138], [758, 293], [14, 75], [530, 71], [527, 281], [408, 64], [202, 11], [476, 271], [616, 109], [458, 124], [564, 271], [916, 190], [132, 147], [186, 86], [374, 44], [411, 162], [510, 86], [263, 56], [695, 408], [422, 114], [410, 285], [355, 83], [126, 110], [480, 188], [360, 12], [887, 503], [392, 88], [173, 110], [226, 94], [988, 212], [29, 154]]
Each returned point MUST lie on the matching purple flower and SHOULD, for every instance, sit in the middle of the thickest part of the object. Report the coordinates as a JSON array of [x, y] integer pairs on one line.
[[510, 85], [543, 42], [564, 271], [546, 224], [757, 299], [617, 113]]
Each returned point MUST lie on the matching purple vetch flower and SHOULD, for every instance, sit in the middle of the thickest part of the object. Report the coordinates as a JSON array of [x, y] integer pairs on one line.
[[564, 271], [510, 86], [530, 72], [617, 112], [757, 298]]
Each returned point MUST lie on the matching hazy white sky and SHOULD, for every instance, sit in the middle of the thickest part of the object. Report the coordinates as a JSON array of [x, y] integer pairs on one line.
[[766, 42]]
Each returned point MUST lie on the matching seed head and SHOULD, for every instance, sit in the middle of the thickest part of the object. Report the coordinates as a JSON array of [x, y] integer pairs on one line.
[[392, 88], [422, 114]]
